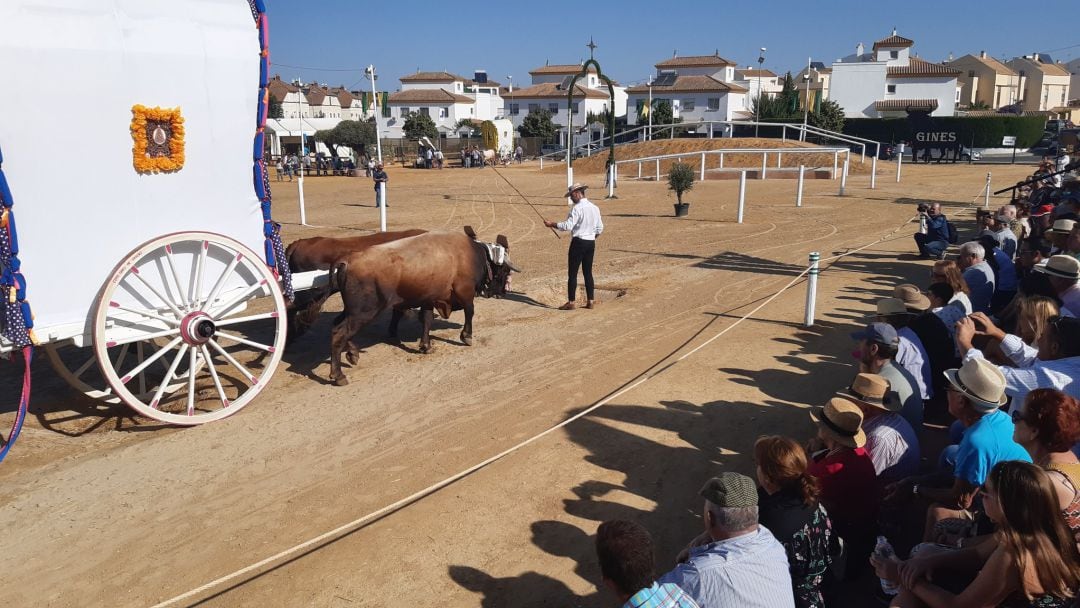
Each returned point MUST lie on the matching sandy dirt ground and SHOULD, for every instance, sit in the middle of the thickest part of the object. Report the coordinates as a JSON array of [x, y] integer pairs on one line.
[[101, 508]]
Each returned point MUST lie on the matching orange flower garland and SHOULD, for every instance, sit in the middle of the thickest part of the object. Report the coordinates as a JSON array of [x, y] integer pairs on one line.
[[141, 158]]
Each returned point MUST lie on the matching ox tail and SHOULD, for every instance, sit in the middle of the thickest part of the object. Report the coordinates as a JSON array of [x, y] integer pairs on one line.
[[338, 276]]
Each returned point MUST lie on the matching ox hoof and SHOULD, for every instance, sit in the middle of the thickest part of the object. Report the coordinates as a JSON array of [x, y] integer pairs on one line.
[[467, 340], [427, 349], [352, 358], [341, 381]]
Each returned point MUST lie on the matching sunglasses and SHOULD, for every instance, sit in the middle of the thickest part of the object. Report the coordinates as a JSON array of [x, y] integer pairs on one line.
[[1017, 415]]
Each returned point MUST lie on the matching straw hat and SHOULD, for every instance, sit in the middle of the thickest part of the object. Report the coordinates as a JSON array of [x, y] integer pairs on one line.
[[1062, 266], [891, 306], [1062, 227], [912, 297], [841, 420], [872, 390], [576, 186], [981, 382]]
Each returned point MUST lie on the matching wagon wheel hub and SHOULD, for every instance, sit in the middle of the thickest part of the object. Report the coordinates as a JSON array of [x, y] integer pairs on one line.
[[197, 328]]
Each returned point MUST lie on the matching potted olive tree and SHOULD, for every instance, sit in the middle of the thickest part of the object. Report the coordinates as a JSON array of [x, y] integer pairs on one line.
[[680, 179]]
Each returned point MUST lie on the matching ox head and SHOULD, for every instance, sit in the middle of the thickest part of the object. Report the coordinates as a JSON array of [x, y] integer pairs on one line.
[[499, 266]]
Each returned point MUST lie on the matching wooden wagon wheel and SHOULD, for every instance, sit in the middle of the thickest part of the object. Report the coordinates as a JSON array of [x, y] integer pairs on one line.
[[206, 307], [76, 366]]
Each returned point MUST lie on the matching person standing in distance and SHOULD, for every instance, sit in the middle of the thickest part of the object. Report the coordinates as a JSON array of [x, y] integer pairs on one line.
[[379, 177], [585, 225]]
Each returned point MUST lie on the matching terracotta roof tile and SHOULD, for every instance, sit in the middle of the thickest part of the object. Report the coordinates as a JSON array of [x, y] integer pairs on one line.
[[993, 64], [918, 67], [893, 40], [552, 90], [686, 84], [744, 74], [1053, 69], [431, 77], [557, 69], [695, 61], [433, 96], [905, 104]]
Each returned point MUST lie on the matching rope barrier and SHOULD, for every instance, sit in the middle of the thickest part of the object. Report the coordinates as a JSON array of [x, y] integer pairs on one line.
[[374, 516]]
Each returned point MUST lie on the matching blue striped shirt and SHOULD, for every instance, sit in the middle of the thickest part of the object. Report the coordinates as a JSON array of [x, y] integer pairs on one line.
[[661, 596], [748, 571]]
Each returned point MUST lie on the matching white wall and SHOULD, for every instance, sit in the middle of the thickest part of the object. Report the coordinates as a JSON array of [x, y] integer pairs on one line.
[[729, 103], [943, 89], [856, 86]]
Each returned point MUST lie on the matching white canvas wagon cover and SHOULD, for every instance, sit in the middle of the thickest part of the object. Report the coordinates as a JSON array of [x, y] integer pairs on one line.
[[73, 72]]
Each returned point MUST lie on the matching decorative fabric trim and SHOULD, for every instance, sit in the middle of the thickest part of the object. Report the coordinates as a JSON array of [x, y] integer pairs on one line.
[[16, 319], [158, 134]]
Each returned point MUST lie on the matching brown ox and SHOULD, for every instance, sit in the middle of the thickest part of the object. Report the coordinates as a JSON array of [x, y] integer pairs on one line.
[[437, 270], [319, 253]]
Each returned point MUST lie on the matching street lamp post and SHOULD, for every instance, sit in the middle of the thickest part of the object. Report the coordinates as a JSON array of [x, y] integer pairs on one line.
[[303, 151], [806, 106], [648, 135], [369, 71], [757, 111]]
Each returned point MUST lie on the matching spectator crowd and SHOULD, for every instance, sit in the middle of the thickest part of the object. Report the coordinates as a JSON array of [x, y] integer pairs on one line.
[[987, 347]]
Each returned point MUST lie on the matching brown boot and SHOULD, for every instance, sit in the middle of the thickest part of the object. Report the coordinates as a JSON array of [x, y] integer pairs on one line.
[[591, 304], [568, 306]]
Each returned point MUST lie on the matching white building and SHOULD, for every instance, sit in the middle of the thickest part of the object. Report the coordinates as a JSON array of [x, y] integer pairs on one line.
[[699, 88], [446, 98], [549, 92], [1074, 79], [816, 88], [751, 78], [888, 81], [1044, 85]]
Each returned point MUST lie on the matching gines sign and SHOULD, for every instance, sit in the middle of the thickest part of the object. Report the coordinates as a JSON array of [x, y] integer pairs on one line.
[[936, 136]]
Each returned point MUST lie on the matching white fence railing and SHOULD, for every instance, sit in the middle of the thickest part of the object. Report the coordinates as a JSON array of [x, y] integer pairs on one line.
[[704, 154]]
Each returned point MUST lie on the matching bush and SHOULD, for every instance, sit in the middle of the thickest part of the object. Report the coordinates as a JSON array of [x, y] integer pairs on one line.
[[680, 179], [986, 130]]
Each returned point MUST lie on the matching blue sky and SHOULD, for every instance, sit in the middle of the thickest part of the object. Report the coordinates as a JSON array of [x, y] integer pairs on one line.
[[510, 38]]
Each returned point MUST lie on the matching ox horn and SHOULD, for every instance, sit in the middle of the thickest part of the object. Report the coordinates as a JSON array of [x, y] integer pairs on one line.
[[511, 266]]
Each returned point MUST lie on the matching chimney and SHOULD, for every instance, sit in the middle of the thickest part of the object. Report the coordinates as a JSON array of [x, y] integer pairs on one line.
[[982, 54], [859, 49]]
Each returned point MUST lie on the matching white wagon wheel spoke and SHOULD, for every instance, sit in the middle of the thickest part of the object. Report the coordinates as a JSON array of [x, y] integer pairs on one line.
[[78, 367], [216, 381]]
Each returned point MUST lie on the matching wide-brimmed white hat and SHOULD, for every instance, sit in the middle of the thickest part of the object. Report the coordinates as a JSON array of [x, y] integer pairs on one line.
[[576, 186], [1063, 266], [981, 382]]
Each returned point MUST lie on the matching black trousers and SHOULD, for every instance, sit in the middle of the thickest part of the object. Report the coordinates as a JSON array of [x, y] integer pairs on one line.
[[581, 254]]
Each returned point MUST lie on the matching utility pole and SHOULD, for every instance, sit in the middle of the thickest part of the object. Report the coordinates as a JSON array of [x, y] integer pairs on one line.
[[757, 110]]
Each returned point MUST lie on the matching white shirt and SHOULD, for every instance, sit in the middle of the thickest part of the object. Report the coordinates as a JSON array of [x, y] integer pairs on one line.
[[584, 221], [1061, 374], [1070, 301], [911, 355], [893, 446], [963, 299]]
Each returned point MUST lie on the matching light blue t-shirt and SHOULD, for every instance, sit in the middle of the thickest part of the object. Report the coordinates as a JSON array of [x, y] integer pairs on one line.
[[986, 443]]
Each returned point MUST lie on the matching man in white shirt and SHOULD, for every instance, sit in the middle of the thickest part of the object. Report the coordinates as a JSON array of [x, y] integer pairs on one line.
[[584, 224], [1064, 272]]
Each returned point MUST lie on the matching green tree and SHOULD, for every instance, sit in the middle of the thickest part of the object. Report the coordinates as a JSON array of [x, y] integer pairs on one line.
[[680, 179], [274, 109], [538, 124], [662, 114], [419, 125], [829, 116], [789, 97], [352, 133], [465, 123]]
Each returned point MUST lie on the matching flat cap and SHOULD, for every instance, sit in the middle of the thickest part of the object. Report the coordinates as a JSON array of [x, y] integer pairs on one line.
[[731, 490]]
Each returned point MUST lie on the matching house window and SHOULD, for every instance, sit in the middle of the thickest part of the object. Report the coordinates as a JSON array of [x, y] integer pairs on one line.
[[534, 107], [442, 112], [425, 112], [957, 95], [971, 73], [553, 108], [515, 109], [404, 112], [894, 54], [688, 105], [891, 88], [714, 104], [575, 107]]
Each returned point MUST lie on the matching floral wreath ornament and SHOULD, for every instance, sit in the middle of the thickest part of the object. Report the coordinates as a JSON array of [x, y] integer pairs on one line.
[[159, 139]]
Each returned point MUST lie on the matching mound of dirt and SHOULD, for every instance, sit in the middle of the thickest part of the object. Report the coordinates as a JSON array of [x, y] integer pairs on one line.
[[595, 164]]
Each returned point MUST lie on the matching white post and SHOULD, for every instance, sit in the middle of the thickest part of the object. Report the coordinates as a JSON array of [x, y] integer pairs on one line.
[[569, 180], [873, 173], [611, 181], [764, 163], [899, 163], [541, 163], [835, 163], [798, 197], [779, 155], [742, 194], [300, 181], [862, 161], [382, 208], [811, 288], [721, 160], [639, 170], [658, 169], [783, 133], [375, 100], [986, 205], [702, 166], [843, 175]]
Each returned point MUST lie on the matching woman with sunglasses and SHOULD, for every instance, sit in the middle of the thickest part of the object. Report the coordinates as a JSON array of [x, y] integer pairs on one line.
[[1048, 425], [1031, 561]]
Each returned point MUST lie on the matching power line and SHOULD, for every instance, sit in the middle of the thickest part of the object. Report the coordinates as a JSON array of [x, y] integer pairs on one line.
[[300, 67]]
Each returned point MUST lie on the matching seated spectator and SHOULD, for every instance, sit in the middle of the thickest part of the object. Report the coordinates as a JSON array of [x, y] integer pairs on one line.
[[1005, 284], [1004, 236], [743, 564], [977, 274], [1041, 219], [1060, 233], [788, 506], [625, 552], [942, 305], [1031, 561], [937, 343], [890, 440], [1033, 320], [976, 392], [947, 271], [1064, 272], [1033, 250], [1057, 366], [910, 351], [849, 487], [936, 240], [878, 345], [1048, 426]]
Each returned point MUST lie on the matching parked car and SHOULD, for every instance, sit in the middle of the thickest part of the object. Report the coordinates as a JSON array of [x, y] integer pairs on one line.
[[555, 151], [969, 154], [1054, 125]]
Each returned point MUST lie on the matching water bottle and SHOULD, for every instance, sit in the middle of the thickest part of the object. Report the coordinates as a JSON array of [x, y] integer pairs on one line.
[[883, 550]]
